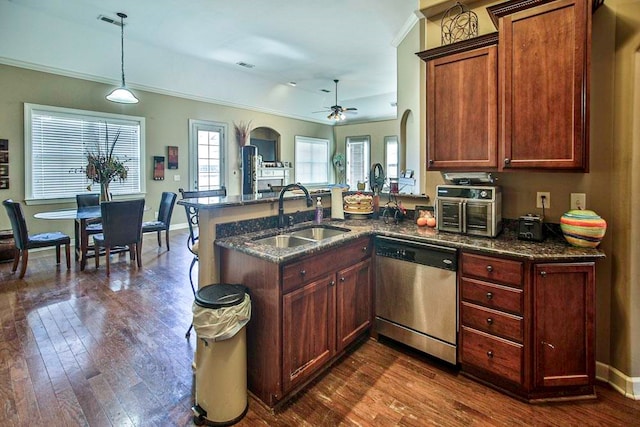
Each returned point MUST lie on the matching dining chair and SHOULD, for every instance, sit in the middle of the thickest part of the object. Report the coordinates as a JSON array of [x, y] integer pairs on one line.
[[163, 222], [122, 227], [24, 241], [192, 222], [94, 226]]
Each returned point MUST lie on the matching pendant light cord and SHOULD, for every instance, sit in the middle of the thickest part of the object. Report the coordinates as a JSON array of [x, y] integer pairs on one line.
[[122, 16]]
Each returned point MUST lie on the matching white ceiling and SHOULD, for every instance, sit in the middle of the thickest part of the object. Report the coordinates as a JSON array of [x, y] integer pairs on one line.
[[190, 48]]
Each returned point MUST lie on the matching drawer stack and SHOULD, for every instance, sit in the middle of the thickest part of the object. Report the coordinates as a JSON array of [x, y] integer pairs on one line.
[[492, 316]]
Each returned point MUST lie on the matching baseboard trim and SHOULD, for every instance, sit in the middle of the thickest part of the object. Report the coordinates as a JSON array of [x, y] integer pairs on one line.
[[628, 386]]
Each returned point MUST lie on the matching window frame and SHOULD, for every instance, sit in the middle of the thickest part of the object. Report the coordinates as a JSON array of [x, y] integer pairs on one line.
[[360, 139], [296, 156], [30, 108]]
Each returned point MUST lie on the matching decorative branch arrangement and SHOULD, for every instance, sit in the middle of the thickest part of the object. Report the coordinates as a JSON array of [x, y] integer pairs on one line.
[[243, 130]]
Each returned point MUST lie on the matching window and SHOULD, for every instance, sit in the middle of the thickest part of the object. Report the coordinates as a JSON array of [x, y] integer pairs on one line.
[[311, 160], [206, 154], [391, 156], [357, 160], [57, 141]]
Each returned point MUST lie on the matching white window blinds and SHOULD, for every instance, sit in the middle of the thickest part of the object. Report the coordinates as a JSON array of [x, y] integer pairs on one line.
[[311, 160], [357, 160], [57, 141]]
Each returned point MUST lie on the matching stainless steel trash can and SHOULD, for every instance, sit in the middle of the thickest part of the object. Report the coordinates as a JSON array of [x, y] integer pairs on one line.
[[220, 313]]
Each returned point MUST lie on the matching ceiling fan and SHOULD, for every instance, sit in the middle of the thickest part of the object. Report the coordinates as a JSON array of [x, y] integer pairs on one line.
[[337, 112]]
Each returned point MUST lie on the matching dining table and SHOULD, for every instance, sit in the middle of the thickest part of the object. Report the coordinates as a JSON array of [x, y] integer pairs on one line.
[[80, 217]]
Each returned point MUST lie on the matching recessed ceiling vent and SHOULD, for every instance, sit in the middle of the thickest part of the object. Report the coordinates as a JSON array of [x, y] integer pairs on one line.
[[109, 20], [245, 65]]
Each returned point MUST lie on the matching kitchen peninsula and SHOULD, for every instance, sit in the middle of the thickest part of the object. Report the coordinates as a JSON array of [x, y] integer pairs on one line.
[[513, 295]]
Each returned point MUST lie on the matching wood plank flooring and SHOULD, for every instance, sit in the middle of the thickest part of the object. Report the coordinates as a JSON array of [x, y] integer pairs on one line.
[[78, 348]]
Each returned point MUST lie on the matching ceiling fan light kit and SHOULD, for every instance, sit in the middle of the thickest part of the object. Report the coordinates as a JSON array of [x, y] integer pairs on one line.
[[122, 94], [336, 112]]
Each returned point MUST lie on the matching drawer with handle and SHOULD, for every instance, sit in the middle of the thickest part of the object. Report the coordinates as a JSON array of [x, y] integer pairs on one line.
[[499, 270], [301, 272], [492, 321], [490, 295], [493, 354]]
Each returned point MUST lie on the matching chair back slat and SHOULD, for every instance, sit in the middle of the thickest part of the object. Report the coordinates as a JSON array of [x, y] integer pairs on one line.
[[122, 222], [219, 192], [18, 223]]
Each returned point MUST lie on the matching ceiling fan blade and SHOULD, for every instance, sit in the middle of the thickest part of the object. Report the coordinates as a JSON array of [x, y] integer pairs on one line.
[[350, 109], [321, 111]]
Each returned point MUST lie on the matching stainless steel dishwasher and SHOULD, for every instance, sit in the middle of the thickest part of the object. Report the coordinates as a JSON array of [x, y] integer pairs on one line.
[[416, 295]]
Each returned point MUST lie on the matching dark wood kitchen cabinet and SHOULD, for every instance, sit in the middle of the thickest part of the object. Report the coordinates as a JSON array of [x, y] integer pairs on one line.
[[321, 318], [524, 107], [564, 328], [462, 104], [528, 328], [305, 313], [543, 69]]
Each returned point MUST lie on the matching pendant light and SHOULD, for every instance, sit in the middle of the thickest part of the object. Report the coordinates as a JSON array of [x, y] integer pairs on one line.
[[122, 95]]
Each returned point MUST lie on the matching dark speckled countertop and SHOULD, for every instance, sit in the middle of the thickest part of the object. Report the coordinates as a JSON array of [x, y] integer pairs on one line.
[[553, 248]]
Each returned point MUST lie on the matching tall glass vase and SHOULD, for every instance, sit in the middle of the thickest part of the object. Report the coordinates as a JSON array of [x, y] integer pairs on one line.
[[105, 195]]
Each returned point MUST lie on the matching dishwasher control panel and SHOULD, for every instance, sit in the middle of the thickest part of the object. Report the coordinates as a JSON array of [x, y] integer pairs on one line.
[[417, 252]]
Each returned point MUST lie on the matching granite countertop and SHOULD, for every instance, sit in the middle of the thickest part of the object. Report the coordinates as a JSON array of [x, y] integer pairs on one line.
[[272, 197], [553, 248]]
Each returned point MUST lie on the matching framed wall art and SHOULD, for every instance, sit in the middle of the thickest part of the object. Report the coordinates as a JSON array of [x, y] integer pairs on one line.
[[158, 168], [172, 157], [4, 164]]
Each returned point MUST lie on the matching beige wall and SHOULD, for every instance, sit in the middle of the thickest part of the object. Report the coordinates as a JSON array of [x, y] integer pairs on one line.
[[612, 185], [166, 124]]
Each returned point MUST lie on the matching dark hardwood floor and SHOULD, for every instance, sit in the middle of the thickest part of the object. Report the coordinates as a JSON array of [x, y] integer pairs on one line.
[[78, 348]]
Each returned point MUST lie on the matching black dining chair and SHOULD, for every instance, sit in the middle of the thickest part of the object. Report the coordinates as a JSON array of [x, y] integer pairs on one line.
[[163, 222], [84, 200], [24, 241], [192, 221], [122, 227]]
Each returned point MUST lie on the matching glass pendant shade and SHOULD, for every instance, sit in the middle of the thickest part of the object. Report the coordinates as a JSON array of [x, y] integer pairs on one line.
[[122, 95]]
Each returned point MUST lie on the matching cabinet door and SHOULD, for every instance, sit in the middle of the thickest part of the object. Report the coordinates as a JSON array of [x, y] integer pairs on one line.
[[564, 324], [462, 99], [308, 330], [544, 86], [354, 310]]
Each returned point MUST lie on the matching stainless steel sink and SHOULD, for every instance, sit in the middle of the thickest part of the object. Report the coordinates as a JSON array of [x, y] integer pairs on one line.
[[319, 232], [284, 241]]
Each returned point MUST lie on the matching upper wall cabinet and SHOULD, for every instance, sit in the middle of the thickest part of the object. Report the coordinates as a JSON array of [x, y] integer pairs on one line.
[[543, 70], [526, 107], [462, 104]]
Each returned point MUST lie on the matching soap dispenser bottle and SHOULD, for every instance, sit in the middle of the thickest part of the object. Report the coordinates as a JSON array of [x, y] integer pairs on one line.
[[319, 213]]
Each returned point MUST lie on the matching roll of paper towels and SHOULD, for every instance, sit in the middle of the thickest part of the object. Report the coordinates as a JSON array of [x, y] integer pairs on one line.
[[337, 211]]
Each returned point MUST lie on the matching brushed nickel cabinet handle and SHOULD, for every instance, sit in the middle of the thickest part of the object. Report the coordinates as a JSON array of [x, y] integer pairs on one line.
[[489, 321], [543, 273], [507, 161], [342, 279], [332, 283], [489, 268], [489, 295], [490, 354], [303, 272]]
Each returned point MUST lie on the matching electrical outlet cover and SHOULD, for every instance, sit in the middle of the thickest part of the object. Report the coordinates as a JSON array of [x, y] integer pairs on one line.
[[547, 199]]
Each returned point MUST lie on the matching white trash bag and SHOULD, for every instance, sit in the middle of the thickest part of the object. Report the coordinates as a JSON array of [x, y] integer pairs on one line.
[[219, 324]]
